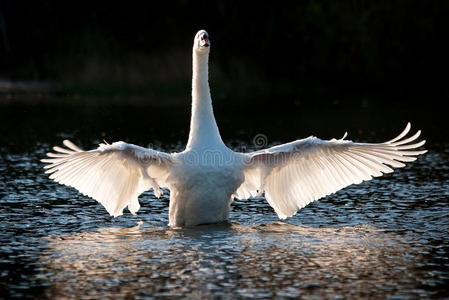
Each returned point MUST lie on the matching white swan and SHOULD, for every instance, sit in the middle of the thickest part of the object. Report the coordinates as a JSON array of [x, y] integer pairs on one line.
[[207, 175]]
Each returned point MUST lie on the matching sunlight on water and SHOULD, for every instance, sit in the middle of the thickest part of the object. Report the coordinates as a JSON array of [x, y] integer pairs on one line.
[[384, 238], [263, 261]]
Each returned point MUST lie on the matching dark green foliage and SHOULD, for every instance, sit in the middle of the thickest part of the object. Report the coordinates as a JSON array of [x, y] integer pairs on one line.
[[324, 48]]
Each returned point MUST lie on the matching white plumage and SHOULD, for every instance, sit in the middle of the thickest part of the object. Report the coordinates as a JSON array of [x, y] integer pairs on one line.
[[114, 175], [207, 175]]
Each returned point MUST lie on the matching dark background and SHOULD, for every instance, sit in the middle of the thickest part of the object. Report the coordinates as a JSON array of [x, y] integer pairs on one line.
[[94, 70], [303, 52]]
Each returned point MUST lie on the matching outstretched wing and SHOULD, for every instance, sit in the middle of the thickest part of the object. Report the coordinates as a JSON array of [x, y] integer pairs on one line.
[[293, 175], [113, 174]]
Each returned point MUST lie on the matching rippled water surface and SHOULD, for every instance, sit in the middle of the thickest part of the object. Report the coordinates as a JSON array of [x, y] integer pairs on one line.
[[383, 238]]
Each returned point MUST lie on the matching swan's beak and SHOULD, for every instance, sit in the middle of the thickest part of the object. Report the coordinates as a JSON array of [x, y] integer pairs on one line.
[[204, 40]]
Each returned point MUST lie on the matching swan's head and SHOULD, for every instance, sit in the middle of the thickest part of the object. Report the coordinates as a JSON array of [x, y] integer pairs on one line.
[[201, 43]]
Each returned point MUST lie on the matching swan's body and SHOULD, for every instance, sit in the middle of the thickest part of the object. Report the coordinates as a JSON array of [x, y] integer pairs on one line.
[[207, 175], [201, 193]]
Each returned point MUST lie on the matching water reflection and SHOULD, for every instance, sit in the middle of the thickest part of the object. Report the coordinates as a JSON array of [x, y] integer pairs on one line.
[[385, 238], [231, 260]]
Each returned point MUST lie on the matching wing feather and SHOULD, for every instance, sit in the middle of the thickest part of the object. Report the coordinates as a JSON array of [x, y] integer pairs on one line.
[[113, 174], [294, 174]]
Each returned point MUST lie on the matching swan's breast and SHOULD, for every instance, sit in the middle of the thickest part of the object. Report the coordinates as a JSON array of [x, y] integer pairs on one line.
[[201, 193], [207, 179]]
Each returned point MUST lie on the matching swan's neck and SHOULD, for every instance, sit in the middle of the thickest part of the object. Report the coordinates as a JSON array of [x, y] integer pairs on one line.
[[203, 128]]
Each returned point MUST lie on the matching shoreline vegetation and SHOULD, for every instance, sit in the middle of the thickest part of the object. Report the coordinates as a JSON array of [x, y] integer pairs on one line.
[[226, 94], [302, 53]]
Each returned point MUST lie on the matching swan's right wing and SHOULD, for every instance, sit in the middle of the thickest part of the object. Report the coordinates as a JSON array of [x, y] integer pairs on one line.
[[293, 175], [113, 174]]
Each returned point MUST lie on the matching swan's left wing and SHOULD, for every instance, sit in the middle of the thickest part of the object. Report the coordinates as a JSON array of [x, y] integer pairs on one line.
[[293, 175], [113, 174]]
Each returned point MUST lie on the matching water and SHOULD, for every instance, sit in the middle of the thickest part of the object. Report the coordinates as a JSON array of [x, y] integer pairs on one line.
[[383, 238]]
